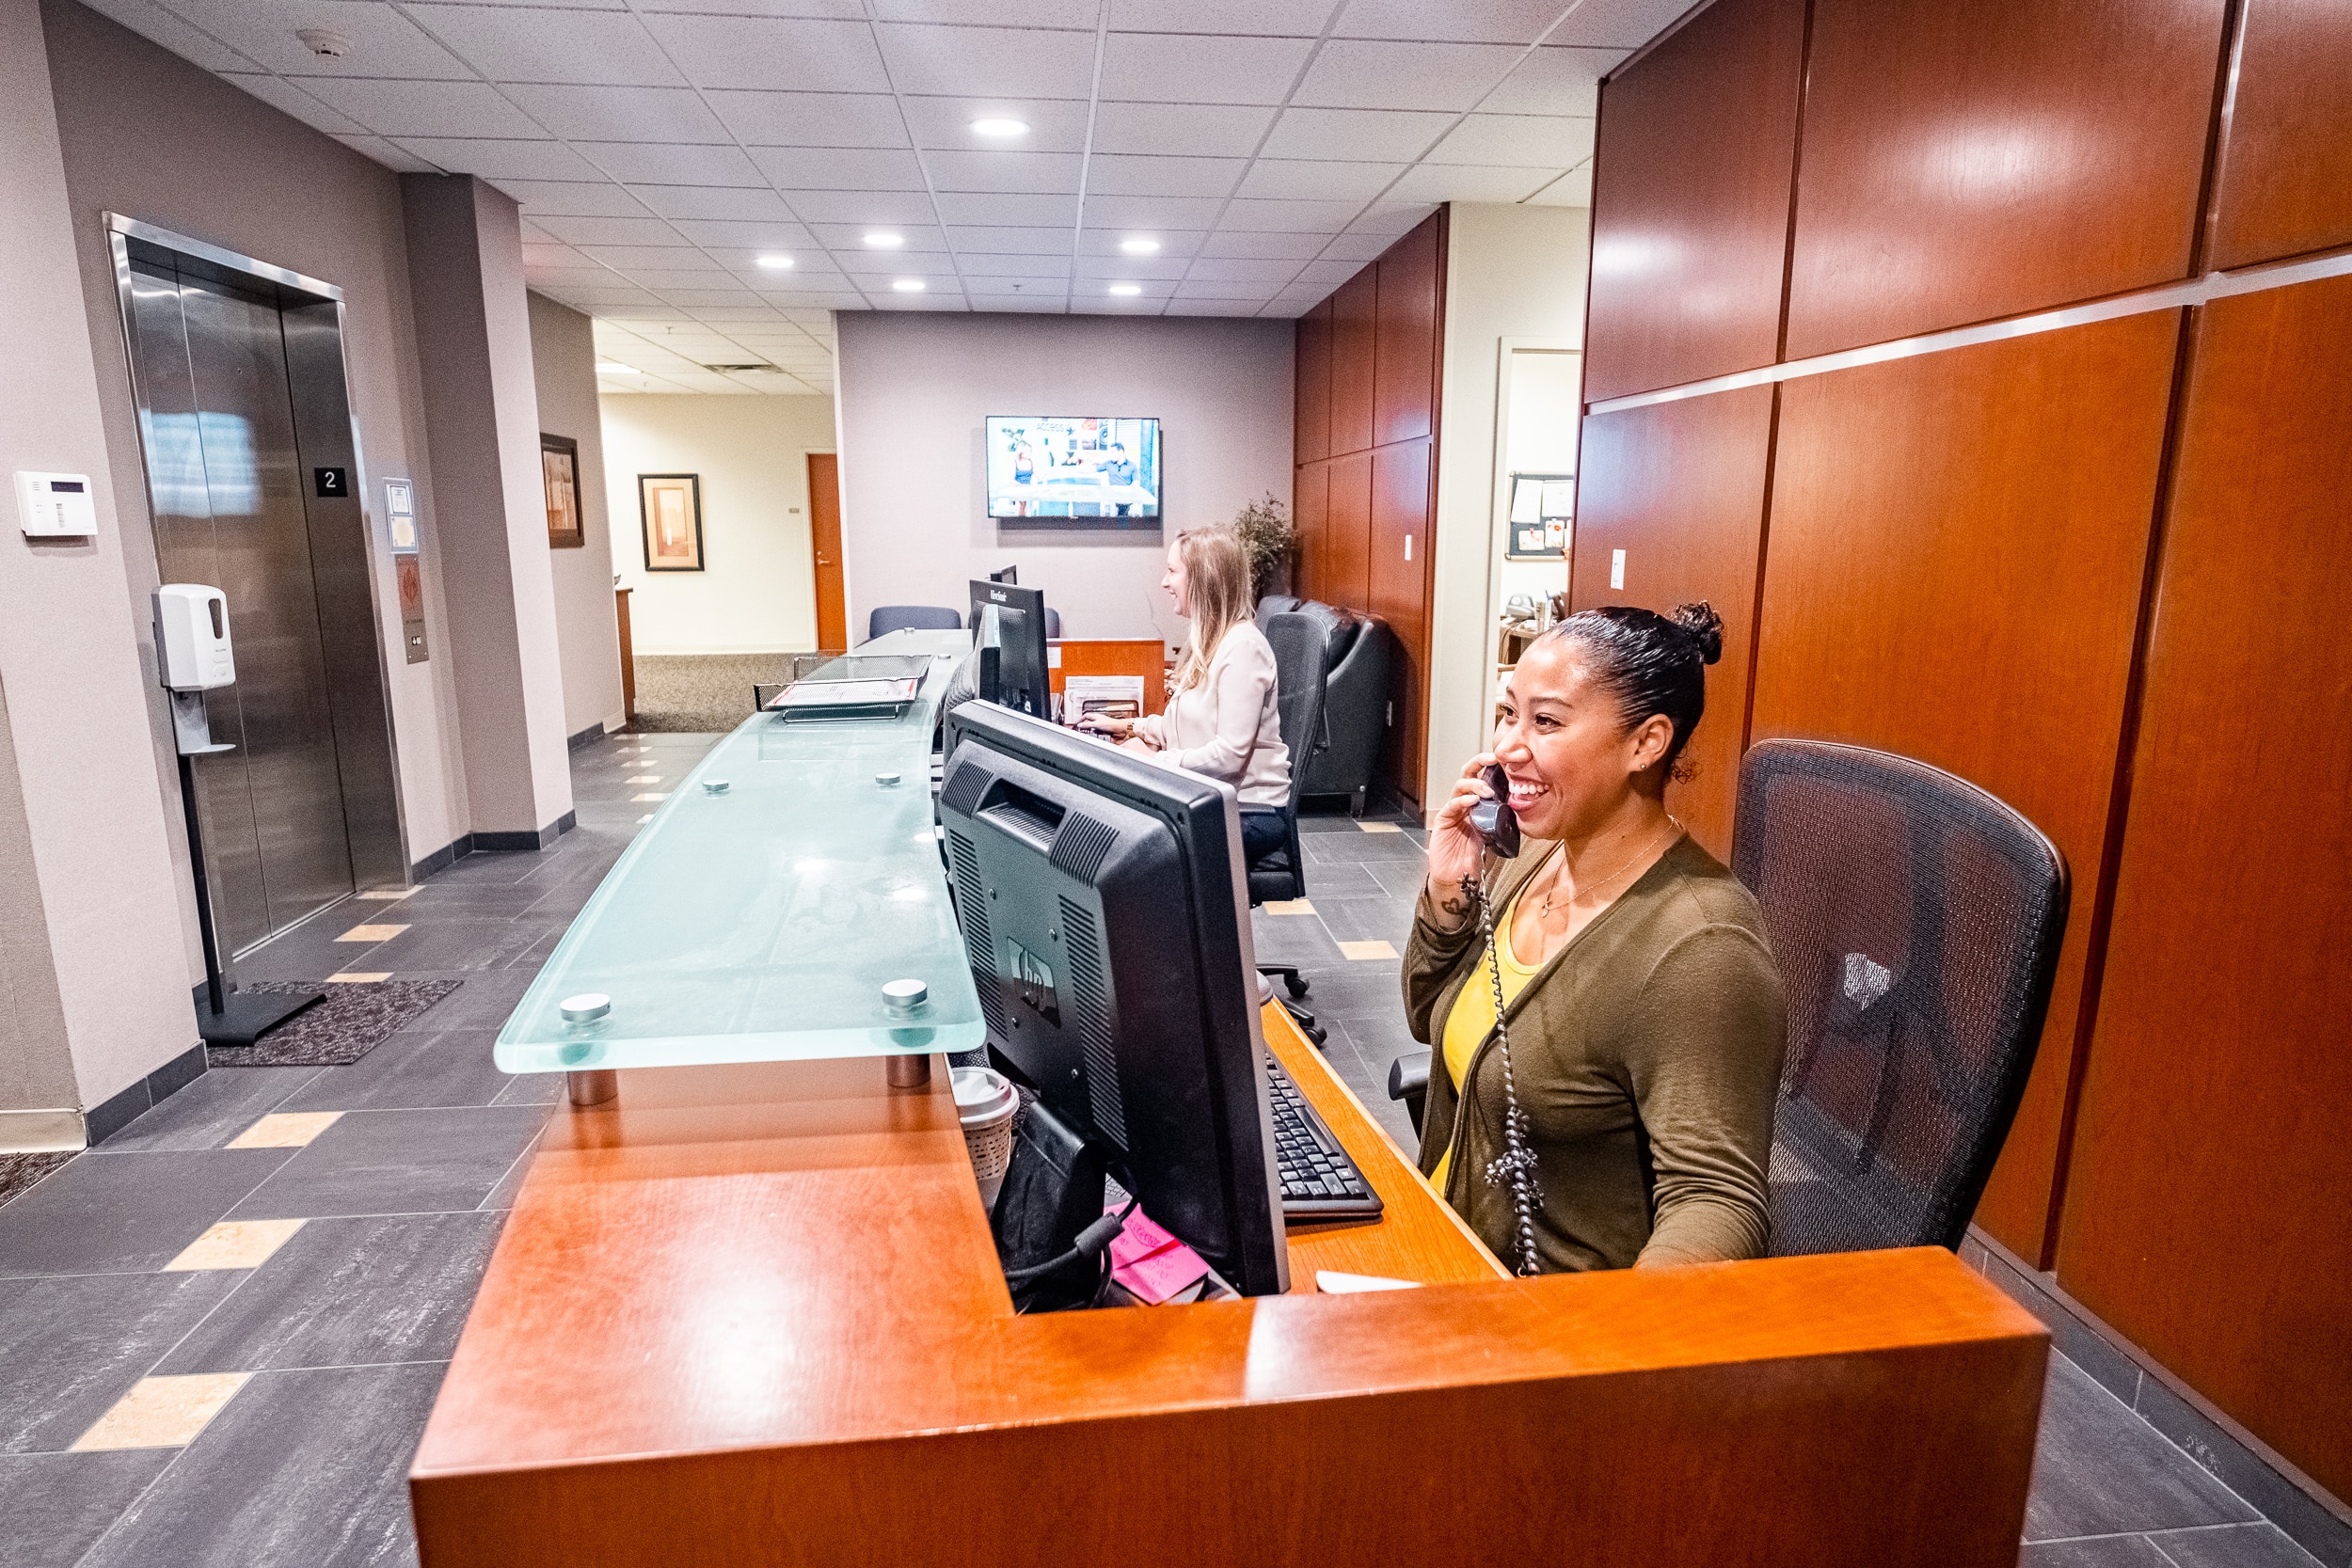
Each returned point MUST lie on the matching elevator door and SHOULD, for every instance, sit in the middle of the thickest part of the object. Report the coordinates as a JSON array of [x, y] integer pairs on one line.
[[228, 489]]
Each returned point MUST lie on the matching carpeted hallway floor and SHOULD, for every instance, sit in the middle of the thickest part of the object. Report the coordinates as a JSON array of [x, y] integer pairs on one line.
[[705, 693]]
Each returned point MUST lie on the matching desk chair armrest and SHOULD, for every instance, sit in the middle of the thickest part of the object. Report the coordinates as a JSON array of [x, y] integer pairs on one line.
[[1409, 1081]]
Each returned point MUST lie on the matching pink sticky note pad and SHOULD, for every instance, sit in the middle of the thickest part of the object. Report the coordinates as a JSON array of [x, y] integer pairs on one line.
[[1152, 1264]]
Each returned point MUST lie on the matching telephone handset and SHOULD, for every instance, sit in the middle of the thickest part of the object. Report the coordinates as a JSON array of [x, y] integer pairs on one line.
[[1495, 822]]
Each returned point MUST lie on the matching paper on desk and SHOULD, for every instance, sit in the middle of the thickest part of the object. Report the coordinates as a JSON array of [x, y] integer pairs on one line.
[[1117, 696], [1331, 1282], [1152, 1264]]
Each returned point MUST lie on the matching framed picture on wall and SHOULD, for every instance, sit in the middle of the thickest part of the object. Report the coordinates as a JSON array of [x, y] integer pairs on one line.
[[671, 508], [559, 473]]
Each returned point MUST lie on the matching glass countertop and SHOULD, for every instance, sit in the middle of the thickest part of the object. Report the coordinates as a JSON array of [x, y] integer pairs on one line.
[[761, 922]]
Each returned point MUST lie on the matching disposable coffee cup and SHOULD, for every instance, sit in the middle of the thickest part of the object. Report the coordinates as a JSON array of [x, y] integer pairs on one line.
[[985, 1103]]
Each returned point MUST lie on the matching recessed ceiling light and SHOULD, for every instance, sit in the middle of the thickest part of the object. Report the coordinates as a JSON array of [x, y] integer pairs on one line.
[[1126, 290], [606, 367], [776, 263], [1139, 246], [881, 241], [908, 285], [1000, 127]]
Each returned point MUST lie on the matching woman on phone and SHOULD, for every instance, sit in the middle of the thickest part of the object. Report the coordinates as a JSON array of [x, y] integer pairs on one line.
[[1643, 1004], [1221, 717]]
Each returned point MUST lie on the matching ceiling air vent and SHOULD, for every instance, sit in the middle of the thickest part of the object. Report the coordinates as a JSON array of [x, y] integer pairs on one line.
[[737, 370]]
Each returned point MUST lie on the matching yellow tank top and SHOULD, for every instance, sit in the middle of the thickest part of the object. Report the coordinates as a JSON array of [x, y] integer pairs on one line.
[[1473, 1016]]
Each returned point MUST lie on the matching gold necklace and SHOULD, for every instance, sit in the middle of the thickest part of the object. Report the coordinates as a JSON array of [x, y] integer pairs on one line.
[[1544, 911]]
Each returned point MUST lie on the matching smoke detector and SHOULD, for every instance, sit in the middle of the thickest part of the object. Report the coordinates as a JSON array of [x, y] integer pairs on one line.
[[319, 40]]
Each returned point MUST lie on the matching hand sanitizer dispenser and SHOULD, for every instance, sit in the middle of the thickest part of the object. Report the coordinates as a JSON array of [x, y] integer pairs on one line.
[[192, 656]]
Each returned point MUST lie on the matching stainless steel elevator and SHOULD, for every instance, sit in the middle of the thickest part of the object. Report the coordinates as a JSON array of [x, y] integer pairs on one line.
[[255, 488]]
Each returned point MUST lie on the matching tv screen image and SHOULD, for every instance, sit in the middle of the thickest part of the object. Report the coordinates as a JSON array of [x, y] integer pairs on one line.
[[1062, 468]]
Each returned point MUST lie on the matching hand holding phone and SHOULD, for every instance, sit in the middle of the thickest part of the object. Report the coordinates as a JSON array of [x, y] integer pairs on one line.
[[1494, 820]]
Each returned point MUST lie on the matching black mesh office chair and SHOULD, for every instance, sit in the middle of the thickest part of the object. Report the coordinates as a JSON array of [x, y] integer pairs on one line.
[[920, 617], [1281, 872], [1918, 921]]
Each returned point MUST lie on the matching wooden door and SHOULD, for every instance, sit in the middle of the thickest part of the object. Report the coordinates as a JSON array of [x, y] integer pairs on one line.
[[824, 536]]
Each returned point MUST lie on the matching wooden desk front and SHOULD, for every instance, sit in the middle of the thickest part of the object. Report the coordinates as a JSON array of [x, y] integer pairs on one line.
[[751, 1315], [1143, 658]]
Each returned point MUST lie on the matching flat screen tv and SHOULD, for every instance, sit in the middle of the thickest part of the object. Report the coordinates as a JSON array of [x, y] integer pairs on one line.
[[1072, 472]]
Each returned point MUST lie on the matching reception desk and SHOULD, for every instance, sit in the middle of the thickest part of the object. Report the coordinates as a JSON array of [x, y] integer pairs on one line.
[[750, 1315]]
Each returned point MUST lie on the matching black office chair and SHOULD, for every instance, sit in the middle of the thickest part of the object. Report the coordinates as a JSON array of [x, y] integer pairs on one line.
[[1281, 872], [917, 617], [1053, 623], [1916, 920]]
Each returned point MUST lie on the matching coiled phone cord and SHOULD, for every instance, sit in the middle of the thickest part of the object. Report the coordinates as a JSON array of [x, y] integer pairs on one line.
[[1515, 1167]]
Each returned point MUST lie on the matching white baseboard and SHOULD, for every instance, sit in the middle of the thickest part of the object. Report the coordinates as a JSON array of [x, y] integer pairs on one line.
[[616, 722], [41, 1132]]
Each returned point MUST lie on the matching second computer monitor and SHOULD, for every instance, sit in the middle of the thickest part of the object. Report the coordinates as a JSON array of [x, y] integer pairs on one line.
[[1017, 616]]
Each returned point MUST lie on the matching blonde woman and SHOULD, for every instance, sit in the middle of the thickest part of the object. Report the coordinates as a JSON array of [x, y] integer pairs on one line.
[[1221, 719]]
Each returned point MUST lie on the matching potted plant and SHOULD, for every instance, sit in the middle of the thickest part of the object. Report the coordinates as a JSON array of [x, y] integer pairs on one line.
[[1263, 528]]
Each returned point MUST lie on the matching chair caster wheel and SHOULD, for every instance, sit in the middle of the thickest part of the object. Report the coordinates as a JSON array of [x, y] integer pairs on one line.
[[1294, 984]]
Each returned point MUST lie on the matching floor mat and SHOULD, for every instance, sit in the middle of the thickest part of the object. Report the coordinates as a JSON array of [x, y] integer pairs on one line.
[[703, 694], [18, 1172], [355, 1018]]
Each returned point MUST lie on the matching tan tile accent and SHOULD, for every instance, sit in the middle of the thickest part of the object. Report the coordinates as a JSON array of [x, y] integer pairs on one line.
[[161, 1412], [644, 778], [234, 1245], [1360, 951], [647, 818], [1289, 906], [372, 933], [388, 893], [358, 976], [1378, 828], [285, 1130], [649, 797]]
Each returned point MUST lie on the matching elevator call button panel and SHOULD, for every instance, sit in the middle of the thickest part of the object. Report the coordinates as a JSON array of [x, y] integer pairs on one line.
[[56, 506]]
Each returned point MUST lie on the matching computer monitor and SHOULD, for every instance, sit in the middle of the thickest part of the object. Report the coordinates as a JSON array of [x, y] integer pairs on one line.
[[1010, 573], [1107, 924], [1012, 621]]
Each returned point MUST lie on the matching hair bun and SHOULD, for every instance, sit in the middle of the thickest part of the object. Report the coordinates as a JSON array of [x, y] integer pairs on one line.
[[1705, 626]]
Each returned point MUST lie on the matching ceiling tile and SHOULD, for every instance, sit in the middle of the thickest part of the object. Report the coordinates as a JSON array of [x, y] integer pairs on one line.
[[761, 235], [573, 198], [1357, 249], [1130, 174], [289, 99], [1572, 189], [1055, 125], [398, 159], [861, 207], [1056, 289], [1391, 216], [644, 232], [1520, 22], [1169, 68], [1327, 275], [1468, 182], [586, 276], [1396, 135], [1240, 308], [383, 42], [1363, 75], [509, 43], [1307, 217], [1101, 239], [665, 163], [1004, 305], [1622, 25], [620, 114], [1034, 173], [851, 236], [497, 159], [935, 300], [930, 265], [776, 53], [836, 299], [737, 205], [425, 108], [840, 169], [1006, 13], [1294, 18], [1285, 179], [1252, 276], [642, 258], [812, 118], [1554, 81], [1200, 129], [707, 296], [1548, 141], [1151, 288], [1151, 214], [613, 297], [1021, 212], [989, 61], [981, 240], [1013, 267], [1273, 247], [1168, 269]]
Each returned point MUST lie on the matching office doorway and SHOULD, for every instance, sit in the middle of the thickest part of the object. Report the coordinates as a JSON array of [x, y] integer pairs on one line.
[[824, 538], [254, 488]]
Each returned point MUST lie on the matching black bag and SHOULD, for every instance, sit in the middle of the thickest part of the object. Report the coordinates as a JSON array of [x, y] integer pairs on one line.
[[1053, 1190]]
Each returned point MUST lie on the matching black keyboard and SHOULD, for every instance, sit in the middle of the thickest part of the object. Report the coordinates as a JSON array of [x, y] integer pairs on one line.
[[1319, 1180]]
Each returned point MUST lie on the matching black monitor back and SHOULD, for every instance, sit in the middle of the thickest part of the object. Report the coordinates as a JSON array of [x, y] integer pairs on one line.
[[1020, 617], [1107, 933]]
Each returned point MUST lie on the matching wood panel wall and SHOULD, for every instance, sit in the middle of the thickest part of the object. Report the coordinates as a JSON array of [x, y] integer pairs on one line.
[[2098, 570], [1365, 488]]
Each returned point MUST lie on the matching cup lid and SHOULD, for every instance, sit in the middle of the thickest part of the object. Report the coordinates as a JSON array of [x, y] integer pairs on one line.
[[982, 1094]]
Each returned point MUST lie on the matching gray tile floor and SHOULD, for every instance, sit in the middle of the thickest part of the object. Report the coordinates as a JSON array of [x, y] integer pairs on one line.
[[344, 1333]]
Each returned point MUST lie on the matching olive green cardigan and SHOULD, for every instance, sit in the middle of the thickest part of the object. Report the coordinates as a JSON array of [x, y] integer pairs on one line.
[[1646, 1054]]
